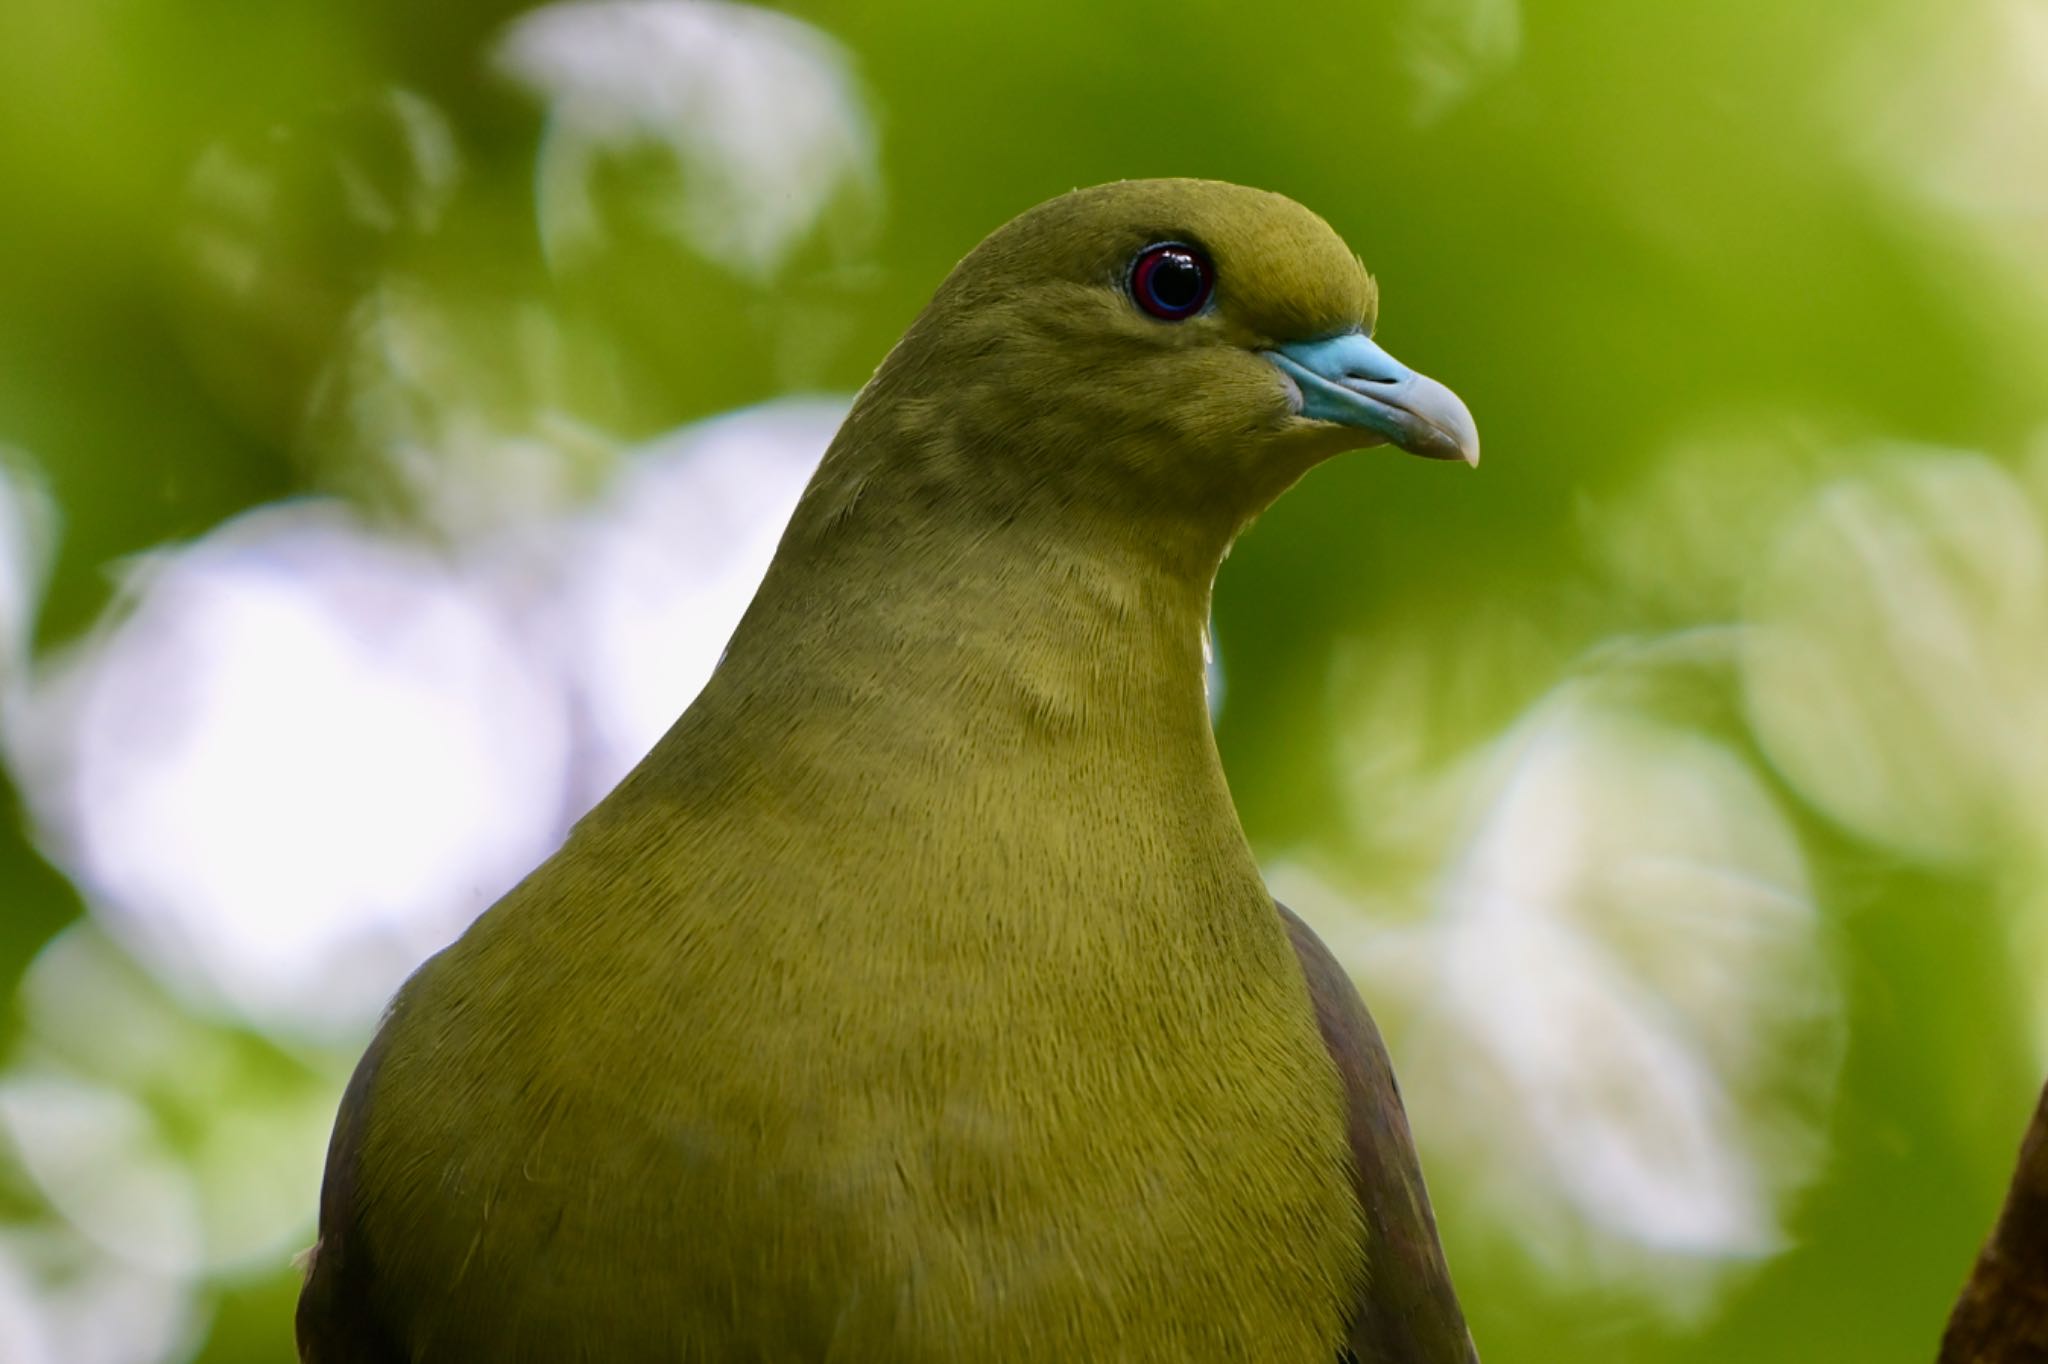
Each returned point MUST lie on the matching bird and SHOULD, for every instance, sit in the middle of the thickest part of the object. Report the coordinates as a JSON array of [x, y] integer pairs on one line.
[[918, 996]]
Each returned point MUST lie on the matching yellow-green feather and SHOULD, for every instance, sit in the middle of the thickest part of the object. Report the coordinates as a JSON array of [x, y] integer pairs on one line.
[[918, 998]]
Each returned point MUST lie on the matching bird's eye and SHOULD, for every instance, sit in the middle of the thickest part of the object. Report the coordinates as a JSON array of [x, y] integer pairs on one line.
[[1171, 280]]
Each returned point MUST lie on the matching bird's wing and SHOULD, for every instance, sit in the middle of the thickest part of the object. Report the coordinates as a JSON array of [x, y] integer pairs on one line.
[[1408, 1312], [337, 1323]]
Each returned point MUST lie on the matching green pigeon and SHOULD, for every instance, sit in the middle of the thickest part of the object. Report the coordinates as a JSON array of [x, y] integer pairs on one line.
[[918, 998]]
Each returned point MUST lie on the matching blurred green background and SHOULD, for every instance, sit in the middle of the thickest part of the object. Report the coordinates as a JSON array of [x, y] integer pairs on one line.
[[1674, 785]]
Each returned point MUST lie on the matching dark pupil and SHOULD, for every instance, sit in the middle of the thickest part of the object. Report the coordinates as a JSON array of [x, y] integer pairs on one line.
[[1176, 281]]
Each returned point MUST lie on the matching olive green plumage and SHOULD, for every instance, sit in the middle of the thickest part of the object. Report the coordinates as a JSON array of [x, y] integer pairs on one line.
[[918, 997]]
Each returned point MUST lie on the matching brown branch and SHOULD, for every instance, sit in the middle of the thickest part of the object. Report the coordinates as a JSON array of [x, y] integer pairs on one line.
[[2002, 1316]]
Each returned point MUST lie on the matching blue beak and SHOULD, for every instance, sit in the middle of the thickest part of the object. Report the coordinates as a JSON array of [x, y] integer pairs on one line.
[[1349, 380]]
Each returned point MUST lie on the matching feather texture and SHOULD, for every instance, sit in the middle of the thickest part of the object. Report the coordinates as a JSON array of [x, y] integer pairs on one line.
[[918, 997]]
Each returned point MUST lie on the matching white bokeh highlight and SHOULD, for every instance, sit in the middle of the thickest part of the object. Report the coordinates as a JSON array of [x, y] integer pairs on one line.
[[167, 1153], [96, 1152], [1614, 1011], [61, 1302], [303, 753], [226, 1134], [1949, 106], [301, 758], [658, 572], [1629, 912], [398, 172], [1897, 641], [458, 419], [759, 111]]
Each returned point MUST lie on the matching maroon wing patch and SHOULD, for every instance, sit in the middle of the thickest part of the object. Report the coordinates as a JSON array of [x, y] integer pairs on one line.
[[336, 1323], [1407, 1313]]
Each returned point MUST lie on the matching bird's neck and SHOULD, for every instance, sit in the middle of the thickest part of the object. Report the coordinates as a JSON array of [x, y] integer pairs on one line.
[[1045, 643], [887, 677]]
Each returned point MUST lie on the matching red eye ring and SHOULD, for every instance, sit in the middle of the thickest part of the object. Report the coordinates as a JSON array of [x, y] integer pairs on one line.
[[1171, 280]]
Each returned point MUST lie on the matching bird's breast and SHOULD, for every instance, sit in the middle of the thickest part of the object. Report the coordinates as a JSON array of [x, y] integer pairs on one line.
[[924, 1134]]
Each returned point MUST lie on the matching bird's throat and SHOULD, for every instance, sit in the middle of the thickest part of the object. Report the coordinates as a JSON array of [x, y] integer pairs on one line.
[[1021, 694], [1042, 649]]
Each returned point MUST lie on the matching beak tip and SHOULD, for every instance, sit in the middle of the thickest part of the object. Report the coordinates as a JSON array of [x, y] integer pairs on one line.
[[1460, 449], [1443, 428]]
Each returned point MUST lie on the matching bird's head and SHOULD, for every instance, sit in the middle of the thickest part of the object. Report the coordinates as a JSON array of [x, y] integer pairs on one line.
[[1164, 350]]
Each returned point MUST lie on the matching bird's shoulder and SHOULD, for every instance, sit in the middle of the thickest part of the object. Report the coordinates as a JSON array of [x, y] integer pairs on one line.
[[414, 1088], [337, 1322]]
